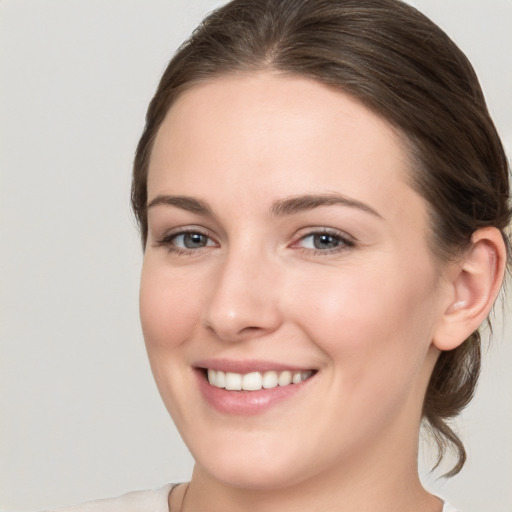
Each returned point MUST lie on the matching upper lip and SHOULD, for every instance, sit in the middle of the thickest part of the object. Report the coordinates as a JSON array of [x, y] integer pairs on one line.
[[247, 366]]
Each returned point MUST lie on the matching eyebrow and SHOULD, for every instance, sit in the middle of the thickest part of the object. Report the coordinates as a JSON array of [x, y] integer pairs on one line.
[[297, 204], [183, 202], [280, 208]]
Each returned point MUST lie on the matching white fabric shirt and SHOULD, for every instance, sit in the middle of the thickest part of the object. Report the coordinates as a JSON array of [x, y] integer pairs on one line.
[[137, 501], [144, 501]]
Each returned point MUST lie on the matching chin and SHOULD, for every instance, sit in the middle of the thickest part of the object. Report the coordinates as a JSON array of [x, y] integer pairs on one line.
[[258, 477], [254, 462]]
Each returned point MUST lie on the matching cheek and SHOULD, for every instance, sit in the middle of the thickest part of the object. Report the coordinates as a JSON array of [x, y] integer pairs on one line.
[[169, 308], [375, 330], [169, 312], [367, 318]]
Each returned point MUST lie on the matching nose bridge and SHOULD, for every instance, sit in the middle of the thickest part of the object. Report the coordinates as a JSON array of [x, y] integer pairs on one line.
[[244, 299]]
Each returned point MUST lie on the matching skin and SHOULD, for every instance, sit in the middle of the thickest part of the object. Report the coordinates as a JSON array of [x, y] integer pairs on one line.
[[364, 314]]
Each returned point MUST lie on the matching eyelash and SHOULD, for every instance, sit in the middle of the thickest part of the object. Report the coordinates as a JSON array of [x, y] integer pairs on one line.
[[344, 241], [167, 241]]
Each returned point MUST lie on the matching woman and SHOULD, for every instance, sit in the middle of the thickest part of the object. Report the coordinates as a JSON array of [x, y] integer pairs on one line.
[[322, 199]]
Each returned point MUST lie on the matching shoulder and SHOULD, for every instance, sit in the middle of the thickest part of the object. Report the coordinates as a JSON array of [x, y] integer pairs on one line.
[[137, 501]]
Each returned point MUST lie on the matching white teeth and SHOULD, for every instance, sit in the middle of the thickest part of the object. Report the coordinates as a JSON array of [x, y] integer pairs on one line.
[[252, 381], [285, 378], [220, 379], [270, 380], [233, 381], [255, 381]]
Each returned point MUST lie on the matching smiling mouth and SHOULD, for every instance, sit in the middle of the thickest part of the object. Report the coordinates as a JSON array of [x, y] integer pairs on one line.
[[255, 381]]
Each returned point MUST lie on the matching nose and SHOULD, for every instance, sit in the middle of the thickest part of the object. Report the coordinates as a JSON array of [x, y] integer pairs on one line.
[[244, 303]]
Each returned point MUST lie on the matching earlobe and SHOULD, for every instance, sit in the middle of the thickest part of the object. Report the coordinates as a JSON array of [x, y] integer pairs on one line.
[[474, 285]]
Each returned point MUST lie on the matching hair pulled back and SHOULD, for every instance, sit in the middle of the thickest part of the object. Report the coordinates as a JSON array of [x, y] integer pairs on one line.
[[407, 70]]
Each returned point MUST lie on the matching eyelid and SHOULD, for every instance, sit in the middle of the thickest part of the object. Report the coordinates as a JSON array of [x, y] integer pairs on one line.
[[347, 241], [169, 236]]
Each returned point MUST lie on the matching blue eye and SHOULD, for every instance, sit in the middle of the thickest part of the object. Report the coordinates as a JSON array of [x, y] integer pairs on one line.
[[185, 242], [325, 242], [321, 241], [191, 240]]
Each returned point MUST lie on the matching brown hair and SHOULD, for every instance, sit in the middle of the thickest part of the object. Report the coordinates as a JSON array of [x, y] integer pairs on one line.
[[406, 69]]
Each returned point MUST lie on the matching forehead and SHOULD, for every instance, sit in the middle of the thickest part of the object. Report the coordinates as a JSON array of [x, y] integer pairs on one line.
[[278, 134]]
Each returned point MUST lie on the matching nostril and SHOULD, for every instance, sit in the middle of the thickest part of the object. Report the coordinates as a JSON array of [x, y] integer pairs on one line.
[[234, 330], [251, 329]]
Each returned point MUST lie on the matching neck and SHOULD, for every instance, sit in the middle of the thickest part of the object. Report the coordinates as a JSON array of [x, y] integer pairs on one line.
[[355, 487]]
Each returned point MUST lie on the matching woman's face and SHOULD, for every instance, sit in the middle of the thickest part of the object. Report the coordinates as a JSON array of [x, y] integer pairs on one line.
[[285, 243]]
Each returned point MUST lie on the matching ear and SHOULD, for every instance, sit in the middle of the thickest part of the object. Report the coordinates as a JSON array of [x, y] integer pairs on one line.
[[474, 283]]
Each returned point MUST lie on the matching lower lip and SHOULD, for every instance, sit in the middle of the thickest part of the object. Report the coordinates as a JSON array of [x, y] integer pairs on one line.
[[246, 403]]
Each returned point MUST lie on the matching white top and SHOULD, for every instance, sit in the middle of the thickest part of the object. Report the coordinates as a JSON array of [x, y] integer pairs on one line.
[[136, 501], [144, 501]]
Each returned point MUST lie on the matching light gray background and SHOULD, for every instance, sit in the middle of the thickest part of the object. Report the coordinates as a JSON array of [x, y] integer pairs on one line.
[[80, 417]]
